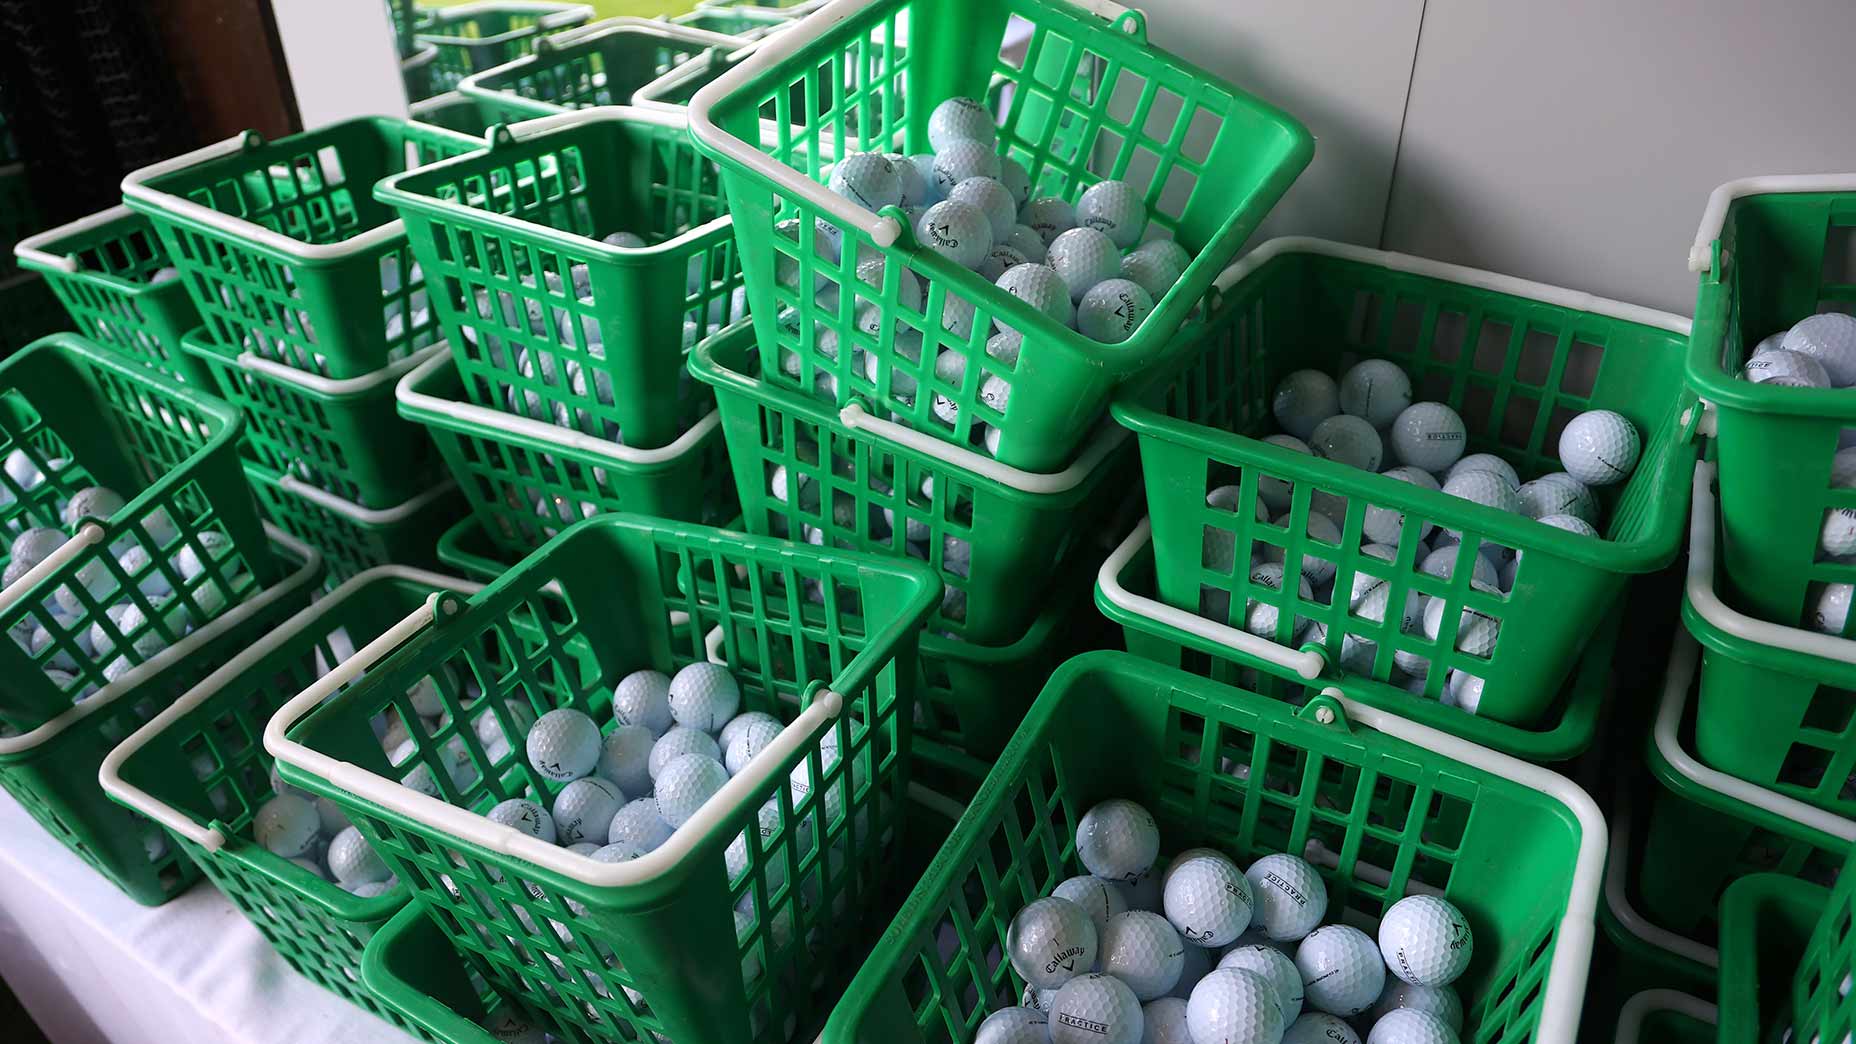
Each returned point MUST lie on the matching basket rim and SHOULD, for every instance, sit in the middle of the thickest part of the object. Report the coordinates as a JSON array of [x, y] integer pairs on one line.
[[34, 251], [1638, 1008], [546, 46], [364, 517], [1624, 915], [200, 343], [553, 16], [1564, 989], [1745, 909]]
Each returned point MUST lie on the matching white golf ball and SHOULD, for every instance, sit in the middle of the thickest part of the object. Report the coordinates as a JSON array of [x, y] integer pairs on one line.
[[1318, 1027], [1342, 972], [1440, 1001], [1048, 216], [583, 810], [1349, 440], [1095, 1009], [1208, 899], [1274, 492], [1426, 940], [1830, 338], [1112, 310], [991, 198], [1476, 634], [1291, 898], [643, 698], [526, 816], [867, 179], [910, 179], [681, 740], [685, 784], [1040, 287], [1050, 942], [1118, 840], [1143, 950], [1100, 899], [1385, 525], [1484, 487], [1488, 462], [1410, 1026], [1303, 400], [704, 696], [1557, 494], [1785, 368], [961, 160], [1441, 564], [625, 759], [286, 825], [1600, 447], [30, 548], [1320, 528], [1115, 209], [1428, 435], [638, 826], [1014, 1026], [1376, 391], [1153, 272], [1167, 249], [1571, 523], [1083, 257], [1275, 968], [1163, 1021], [563, 745], [748, 745], [997, 260], [1199, 961], [1462, 690], [1025, 240], [1263, 619], [957, 231], [353, 861], [740, 723], [98, 502], [1232, 1005], [960, 119]]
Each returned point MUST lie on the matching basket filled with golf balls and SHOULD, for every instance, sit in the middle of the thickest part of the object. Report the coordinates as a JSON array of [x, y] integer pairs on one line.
[[1433, 477], [1775, 705], [604, 64], [1774, 356], [51, 769], [352, 538], [127, 522], [114, 279], [1787, 960], [1125, 593], [284, 250], [343, 436], [807, 470], [666, 653], [1221, 867], [900, 184], [291, 862], [527, 479], [581, 293], [472, 37]]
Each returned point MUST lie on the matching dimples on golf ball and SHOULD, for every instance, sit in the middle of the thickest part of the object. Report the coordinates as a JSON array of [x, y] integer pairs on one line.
[[1098, 898], [1557, 494], [1275, 968], [1599, 448], [563, 745], [685, 784], [1050, 942], [286, 826], [625, 758], [1208, 900], [1141, 949], [1410, 1026], [353, 861], [1428, 435], [867, 179], [1376, 391], [583, 810], [526, 816], [1083, 257], [1118, 840], [1786, 368], [1349, 440], [1304, 399], [1440, 1001], [1485, 488], [962, 160], [1425, 940], [1342, 971], [1291, 898], [1829, 338], [1095, 1009], [1112, 310], [1114, 209], [704, 696], [677, 742], [1232, 1006], [1040, 287], [1318, 1027], [957, 231], [960, 119], [643, 698], [1014, 1026]]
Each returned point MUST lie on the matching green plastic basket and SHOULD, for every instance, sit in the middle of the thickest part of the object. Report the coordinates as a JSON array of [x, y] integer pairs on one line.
[[601, 65], [1158, 632], [1787, 957], [453, 112], [1665, 1017], [748, 21], [1090, 100], [1706, 829], [82, 416], [352, 538], [1380, 806], [824, 640], [102, 268], [342, 436], [31, 311], [199, 769], [477, 36], [514, 234], [284, 249], [1009, 525], [52, 769], [416, 70], [1517, 360], [526, 480], [1776, 705], [1771, 251], [406, 18]]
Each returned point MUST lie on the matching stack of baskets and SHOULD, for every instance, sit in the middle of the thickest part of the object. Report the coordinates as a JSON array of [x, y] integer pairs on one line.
[[463, 39], [312, 306], [608, 63], [1788, 953]]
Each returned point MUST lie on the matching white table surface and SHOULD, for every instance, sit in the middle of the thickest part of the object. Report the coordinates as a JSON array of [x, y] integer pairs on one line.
[[93, 967]]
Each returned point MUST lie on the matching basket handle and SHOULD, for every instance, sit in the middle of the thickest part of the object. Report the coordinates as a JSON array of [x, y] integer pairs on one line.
[[1701, 593], [1617, 894], [32, 248], [1302, 663], [856, 418], [1631, 1017], [87, 534], [1714, 215], [321, 385], [366, 516]]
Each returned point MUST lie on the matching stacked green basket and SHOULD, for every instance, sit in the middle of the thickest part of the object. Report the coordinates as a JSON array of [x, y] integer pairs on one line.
[[1788, 954], [200, 769], [1080, 104], [824, 640], [1382, 806], [1664, 1017], [313, 305], [1515, 359], [473, 37], [603, 65]]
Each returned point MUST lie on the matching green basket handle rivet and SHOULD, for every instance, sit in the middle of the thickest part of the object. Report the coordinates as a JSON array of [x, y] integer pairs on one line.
[[251, 141], [1324, 709], [906, 239], [498, 136], [1133, 22], [446, 605]]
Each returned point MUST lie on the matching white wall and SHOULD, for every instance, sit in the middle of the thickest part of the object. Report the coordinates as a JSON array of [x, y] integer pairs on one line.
[[341, 57]]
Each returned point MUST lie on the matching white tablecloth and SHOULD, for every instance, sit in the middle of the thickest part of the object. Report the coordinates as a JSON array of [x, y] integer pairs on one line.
[[92, 967]]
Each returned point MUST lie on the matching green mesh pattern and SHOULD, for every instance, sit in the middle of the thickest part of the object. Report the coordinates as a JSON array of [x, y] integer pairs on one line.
[[485, 35], [453, 112], [1088, 100], [1785, 961], [604, 66], [1247, 775], [803, 473], [1516, 369], [83, 416], [1820, 992], [350, 539], [1780, 258], [340, 316], [524, 489], [546, 320], [351, 443], [664, 956], [112, 296]]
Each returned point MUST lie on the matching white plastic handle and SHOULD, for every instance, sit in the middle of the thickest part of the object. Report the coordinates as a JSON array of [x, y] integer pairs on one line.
[[32, 248], [110, 774], [618, 26], [419, 59], [549, 433], [552, 15], [1617, 895], [128, 680], [1107, 439], [1474, 277], [87, 534], [1631, 1017], [1714, 215], [1305, 664], [366, 516], [1701, 593], [321, 385]]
